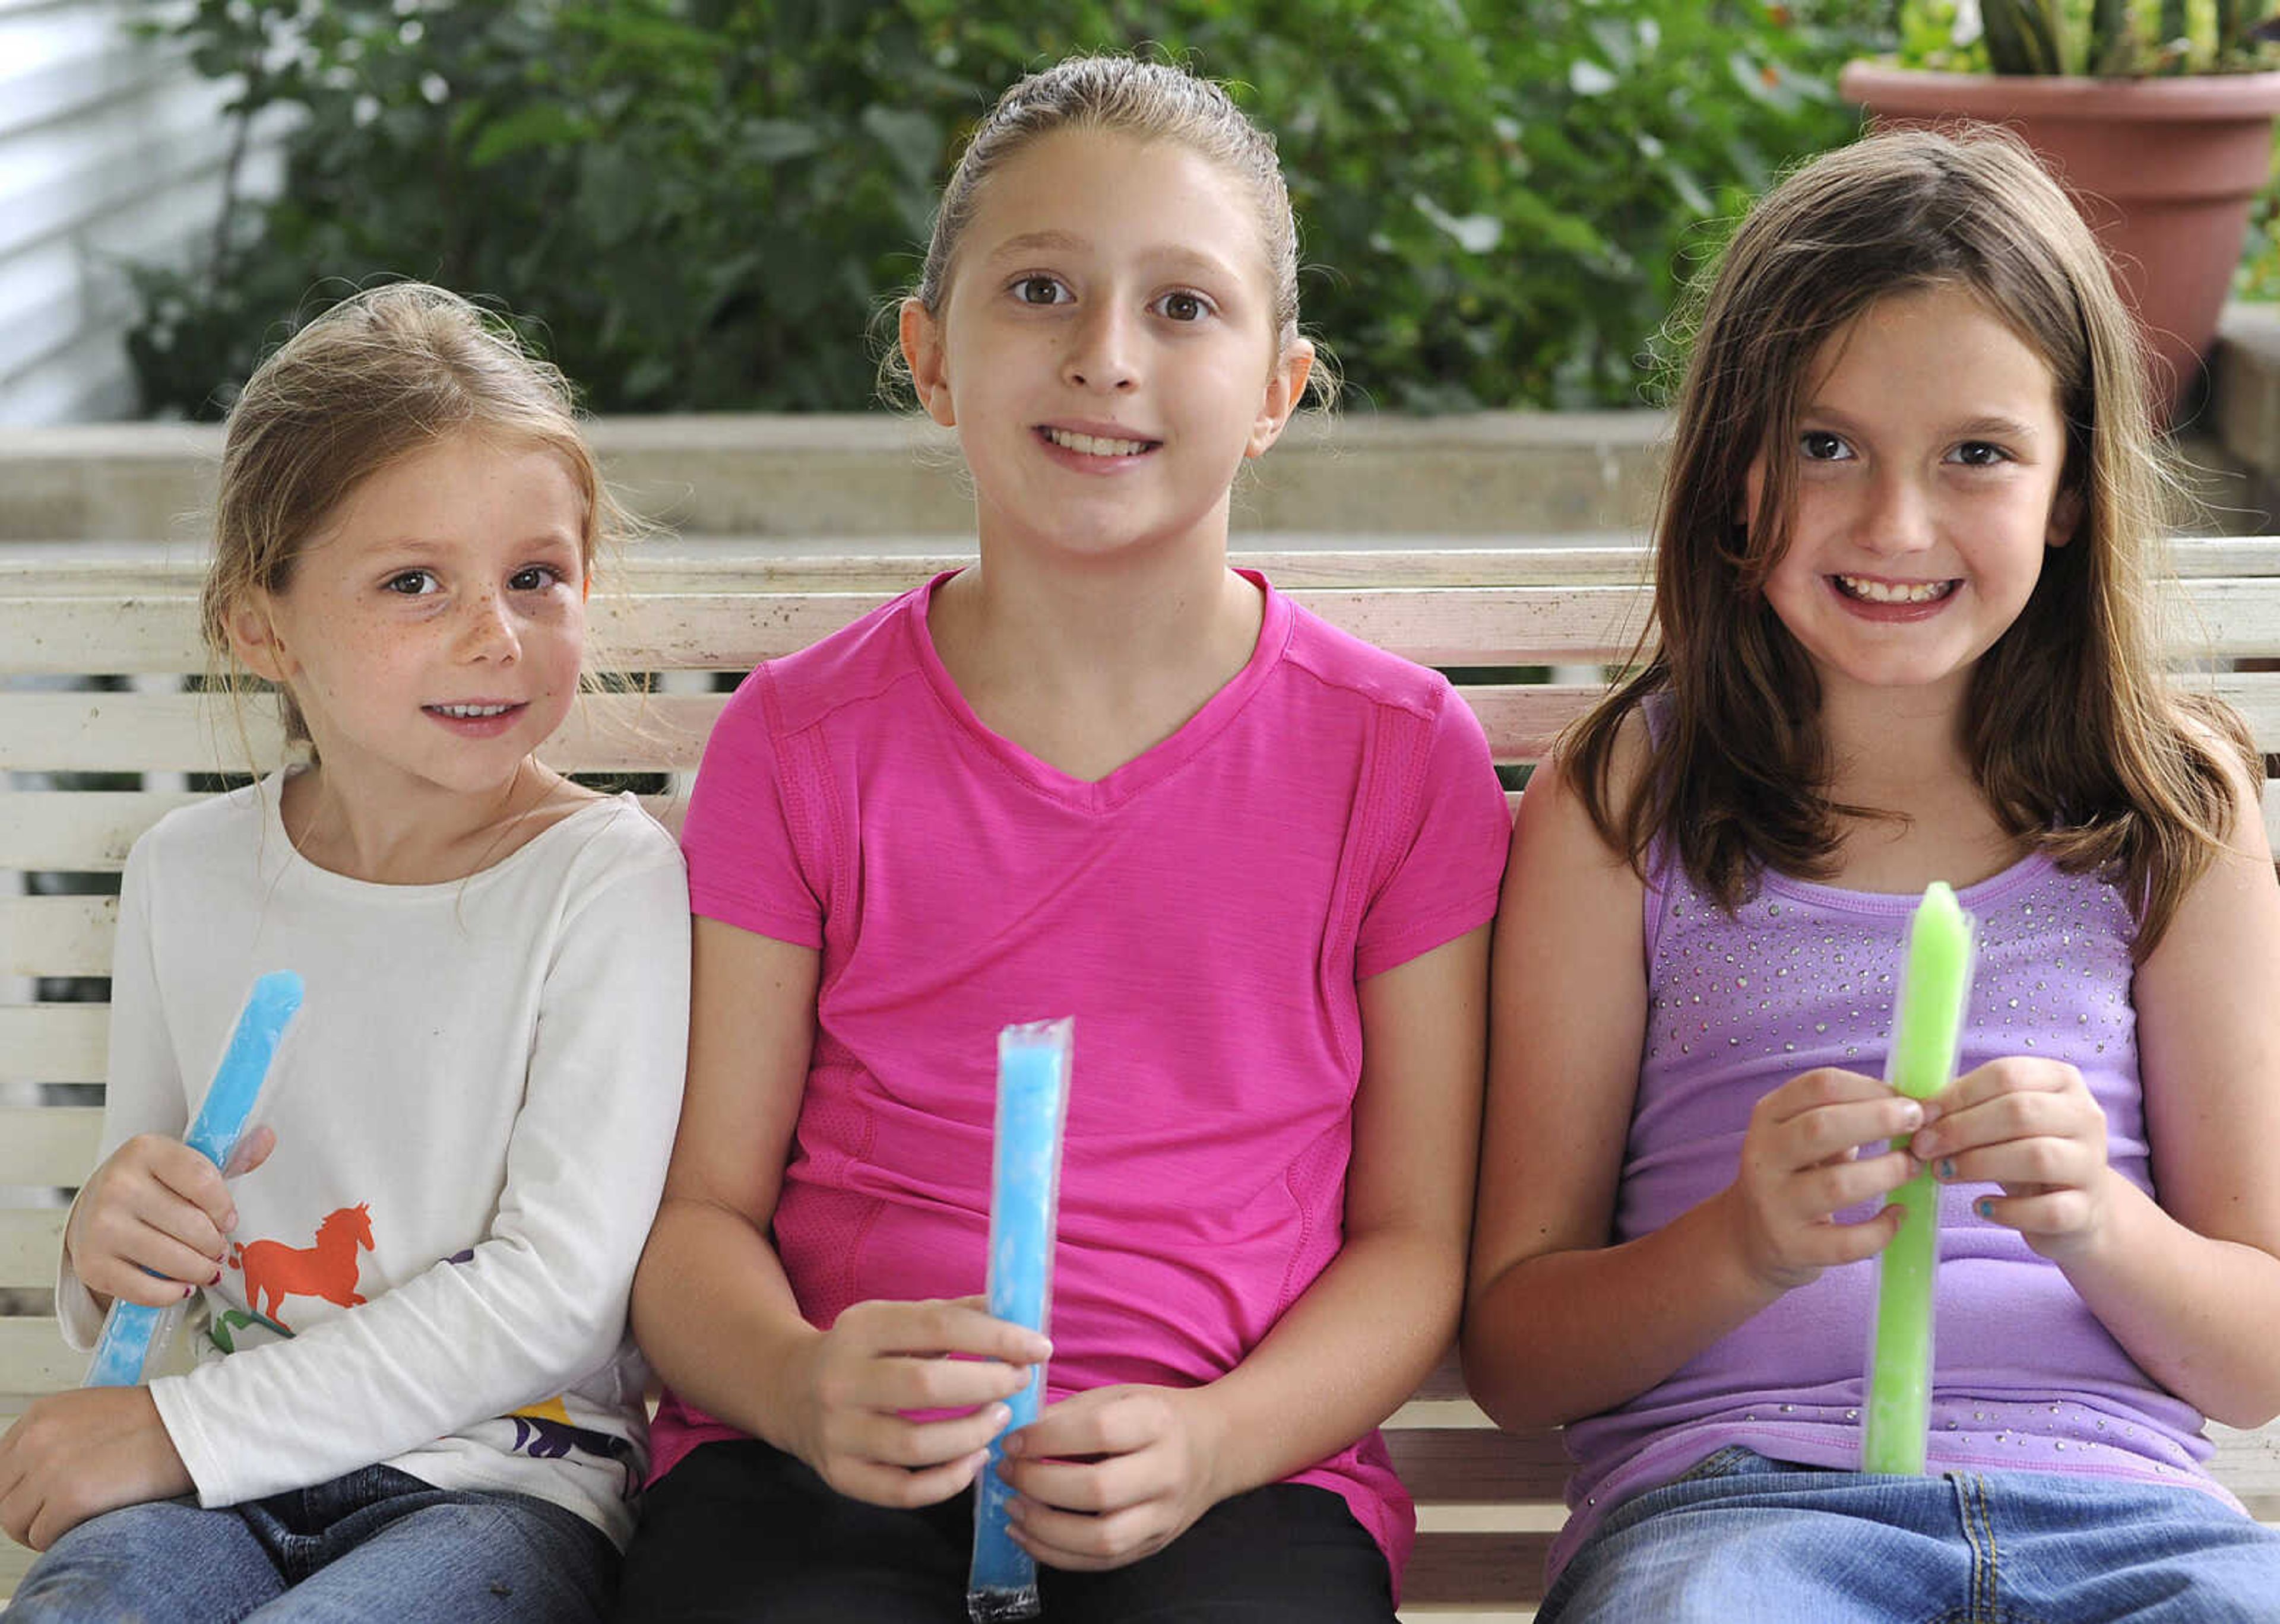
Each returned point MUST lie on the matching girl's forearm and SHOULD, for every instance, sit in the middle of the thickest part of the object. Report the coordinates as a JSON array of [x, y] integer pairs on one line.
[[1568, 1333], [715, 1316], [1341, 1359], [2200, 1315]]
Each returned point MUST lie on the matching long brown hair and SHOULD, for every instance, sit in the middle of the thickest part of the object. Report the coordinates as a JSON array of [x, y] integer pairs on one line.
[[2076, 737]]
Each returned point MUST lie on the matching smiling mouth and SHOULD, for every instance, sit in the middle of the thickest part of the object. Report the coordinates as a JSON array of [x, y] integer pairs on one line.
[[1095, 445], [1863, 589], [471, 712]]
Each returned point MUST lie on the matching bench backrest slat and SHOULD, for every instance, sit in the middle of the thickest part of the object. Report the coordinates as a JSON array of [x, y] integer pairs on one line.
[[129, 732]]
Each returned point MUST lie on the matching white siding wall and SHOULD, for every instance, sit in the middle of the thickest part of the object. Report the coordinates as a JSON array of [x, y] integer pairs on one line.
[[112, 149]]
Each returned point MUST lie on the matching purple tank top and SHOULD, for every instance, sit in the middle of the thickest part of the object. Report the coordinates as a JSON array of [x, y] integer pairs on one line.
[[1803, 976]]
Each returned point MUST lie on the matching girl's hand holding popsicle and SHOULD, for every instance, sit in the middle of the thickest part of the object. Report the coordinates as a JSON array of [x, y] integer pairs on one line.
[[154, 1220], [1807, 1155], [1111, 1475], [2031, 1126], [882, 1359]]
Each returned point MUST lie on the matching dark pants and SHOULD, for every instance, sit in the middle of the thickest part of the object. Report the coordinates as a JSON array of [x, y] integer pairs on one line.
[[740, 1531]]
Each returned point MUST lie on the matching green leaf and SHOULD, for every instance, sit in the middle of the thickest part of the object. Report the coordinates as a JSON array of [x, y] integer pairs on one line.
[[540, 123], [911, 139], [772, 140]]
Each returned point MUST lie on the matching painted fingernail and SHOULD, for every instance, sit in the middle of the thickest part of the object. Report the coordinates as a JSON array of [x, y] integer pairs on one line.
[[1984, 1206], [1946, 1169], [216, 1280], [189, 1292]]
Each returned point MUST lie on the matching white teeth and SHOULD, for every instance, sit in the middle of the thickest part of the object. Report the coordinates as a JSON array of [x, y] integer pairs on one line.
[[471, 710], [1092, 445], [1894, 591]]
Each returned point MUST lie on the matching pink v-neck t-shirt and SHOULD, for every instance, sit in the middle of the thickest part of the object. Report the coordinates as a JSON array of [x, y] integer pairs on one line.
[[1205, 912]]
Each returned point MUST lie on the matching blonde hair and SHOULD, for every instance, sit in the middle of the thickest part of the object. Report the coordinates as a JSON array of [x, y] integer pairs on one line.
[[387, 373], [2080, 742]]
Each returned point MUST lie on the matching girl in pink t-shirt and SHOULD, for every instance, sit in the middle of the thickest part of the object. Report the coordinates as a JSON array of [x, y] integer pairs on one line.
[[1098, 772]]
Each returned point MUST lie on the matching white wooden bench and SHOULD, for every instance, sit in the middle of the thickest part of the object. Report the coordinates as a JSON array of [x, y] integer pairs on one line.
[[1489, 1501]]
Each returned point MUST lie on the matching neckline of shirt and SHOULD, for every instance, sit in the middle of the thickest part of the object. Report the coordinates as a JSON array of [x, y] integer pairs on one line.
[[270, 793], [1975, 897], [1152, 766]]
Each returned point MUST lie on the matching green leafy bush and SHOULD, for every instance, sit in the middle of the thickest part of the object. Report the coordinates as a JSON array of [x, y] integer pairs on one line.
[[703, 204]]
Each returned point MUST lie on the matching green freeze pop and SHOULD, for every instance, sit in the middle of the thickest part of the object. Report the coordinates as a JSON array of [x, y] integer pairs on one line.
[[1926, 1029]]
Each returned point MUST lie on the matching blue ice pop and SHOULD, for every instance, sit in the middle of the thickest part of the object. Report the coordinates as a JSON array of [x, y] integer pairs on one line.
[[131, 1332], [1033, 1072]]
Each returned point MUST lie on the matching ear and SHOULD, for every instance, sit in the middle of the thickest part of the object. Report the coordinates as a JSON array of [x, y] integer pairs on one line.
[[2066, 518], [922, 352], [1286, 387], [254, 640]]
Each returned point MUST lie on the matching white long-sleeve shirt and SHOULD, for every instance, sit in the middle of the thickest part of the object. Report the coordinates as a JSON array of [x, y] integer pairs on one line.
[[474, 1111]]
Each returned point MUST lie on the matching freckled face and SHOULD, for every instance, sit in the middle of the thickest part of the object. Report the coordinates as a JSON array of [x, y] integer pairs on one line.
[[1108, 348], [432, 630], [1929, 461]]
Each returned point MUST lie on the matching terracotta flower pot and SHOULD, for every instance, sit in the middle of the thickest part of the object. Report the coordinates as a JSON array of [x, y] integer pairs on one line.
[[2163, 169]]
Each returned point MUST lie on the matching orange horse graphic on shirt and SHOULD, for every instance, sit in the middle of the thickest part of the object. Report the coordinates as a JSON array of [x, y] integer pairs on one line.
[[327, 1270]]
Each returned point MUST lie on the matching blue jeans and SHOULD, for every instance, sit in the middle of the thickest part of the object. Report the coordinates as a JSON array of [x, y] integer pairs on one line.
[[1743, 1537], [377, 1546]]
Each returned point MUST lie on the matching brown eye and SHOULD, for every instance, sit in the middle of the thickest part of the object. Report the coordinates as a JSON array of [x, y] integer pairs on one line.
[[1183, 307], [1039, 290], [1819, 446]]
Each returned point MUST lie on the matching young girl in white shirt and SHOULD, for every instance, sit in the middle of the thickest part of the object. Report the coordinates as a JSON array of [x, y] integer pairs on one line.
[[415, 1398]]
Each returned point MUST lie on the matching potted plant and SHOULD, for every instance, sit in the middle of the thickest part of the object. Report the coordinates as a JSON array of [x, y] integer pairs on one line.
[[2155, 114]]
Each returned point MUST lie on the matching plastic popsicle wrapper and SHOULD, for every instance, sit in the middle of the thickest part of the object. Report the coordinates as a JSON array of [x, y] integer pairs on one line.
[[1927, 1031], [1033, 1074], [135, 1332]]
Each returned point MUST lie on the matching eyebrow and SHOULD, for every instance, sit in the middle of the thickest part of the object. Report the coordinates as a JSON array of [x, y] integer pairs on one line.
[[415, 546], [1990, 424], [1176, 255], [2006, 427]]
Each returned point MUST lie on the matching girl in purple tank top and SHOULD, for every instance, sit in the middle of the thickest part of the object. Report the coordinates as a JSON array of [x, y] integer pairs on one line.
[[1902, 634]]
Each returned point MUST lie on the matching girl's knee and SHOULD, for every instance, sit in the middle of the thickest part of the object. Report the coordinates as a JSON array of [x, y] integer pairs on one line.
[[144, 1564]]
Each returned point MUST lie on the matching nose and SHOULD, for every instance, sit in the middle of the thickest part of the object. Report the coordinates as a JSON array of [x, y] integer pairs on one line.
[[489, 632], [1103, 353], [1898, 519]]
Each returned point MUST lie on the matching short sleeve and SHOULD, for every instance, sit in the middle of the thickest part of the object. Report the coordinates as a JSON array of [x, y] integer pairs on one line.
[[747, 867], [1447, 858]]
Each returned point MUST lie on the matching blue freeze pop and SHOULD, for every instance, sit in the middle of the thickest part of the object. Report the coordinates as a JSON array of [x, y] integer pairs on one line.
[[131, 1332], [1033, 1071]]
